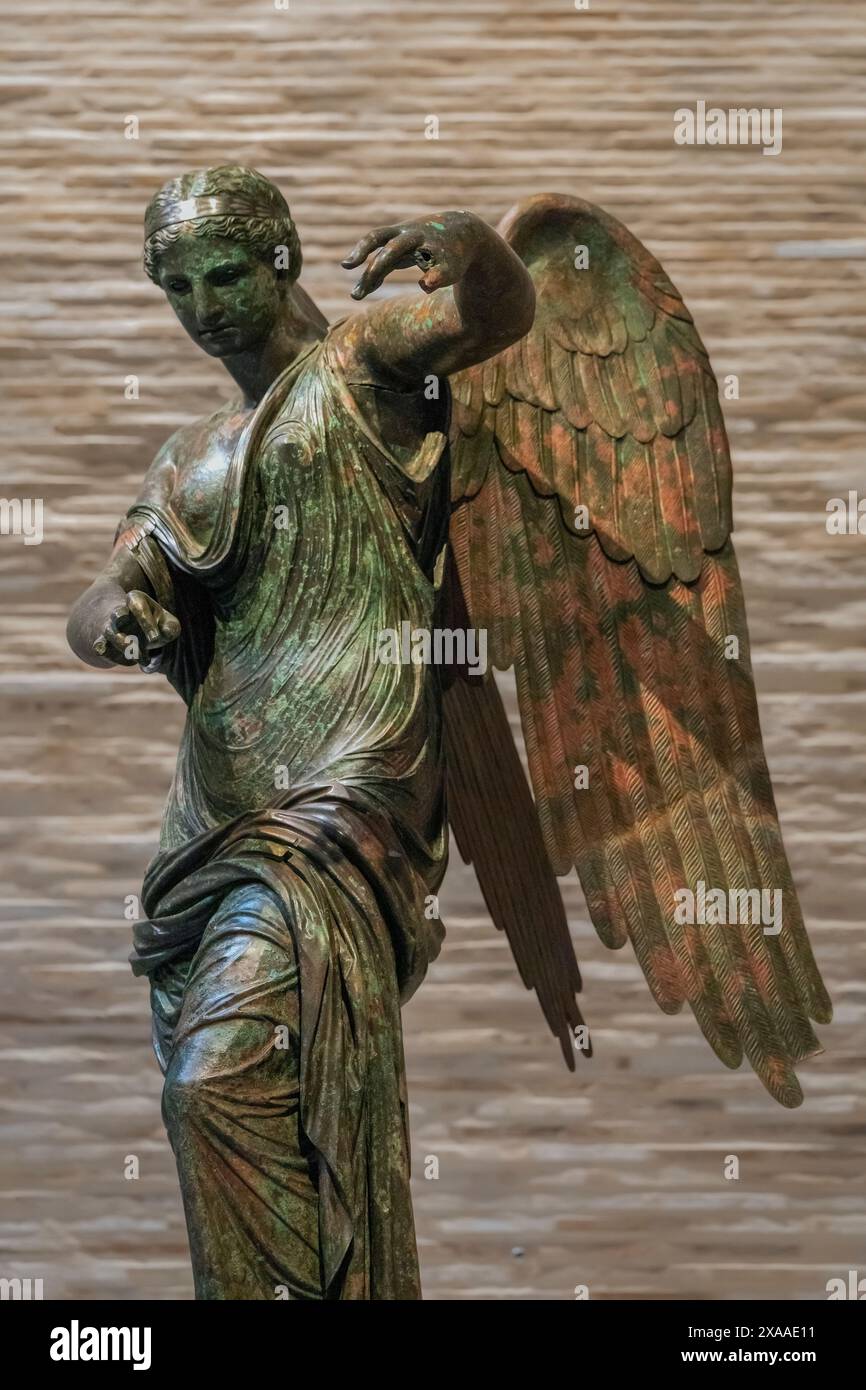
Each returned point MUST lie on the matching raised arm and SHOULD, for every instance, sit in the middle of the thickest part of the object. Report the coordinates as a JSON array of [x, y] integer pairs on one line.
[[478, 299]]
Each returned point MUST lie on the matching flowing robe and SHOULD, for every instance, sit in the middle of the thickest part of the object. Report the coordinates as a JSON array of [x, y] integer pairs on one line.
[[310, 766]]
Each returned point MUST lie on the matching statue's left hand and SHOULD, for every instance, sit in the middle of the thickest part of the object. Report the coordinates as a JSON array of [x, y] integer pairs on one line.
[[443, 247]]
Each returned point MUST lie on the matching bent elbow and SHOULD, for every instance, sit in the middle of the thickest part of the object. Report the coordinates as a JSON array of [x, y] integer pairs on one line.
[[519, 308], [526, 315], [518, 318]]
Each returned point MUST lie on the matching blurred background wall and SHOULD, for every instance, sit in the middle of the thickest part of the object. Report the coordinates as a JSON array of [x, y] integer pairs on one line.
[[614, 1177]]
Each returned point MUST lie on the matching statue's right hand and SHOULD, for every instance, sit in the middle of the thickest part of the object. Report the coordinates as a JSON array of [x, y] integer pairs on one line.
[[135, 629]]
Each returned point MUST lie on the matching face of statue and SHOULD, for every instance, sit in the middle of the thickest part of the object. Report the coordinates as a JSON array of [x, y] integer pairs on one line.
[[226, 298]]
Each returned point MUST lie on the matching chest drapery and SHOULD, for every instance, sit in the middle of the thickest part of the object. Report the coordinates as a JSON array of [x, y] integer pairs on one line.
[[322, 542]]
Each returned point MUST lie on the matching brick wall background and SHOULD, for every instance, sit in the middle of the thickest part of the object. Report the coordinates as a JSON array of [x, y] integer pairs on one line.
[[613, 1178]]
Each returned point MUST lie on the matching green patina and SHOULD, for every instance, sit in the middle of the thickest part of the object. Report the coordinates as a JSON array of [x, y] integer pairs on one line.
[[305, 833]]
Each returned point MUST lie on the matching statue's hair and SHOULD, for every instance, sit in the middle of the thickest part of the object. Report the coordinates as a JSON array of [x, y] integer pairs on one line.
[[262, 234]]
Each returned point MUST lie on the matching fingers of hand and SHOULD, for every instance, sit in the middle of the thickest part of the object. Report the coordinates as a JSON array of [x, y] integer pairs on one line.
[[432, 279], [120, 639], [397, 253], [169, 627], [361, 250], [439, 264], [158, 625], [139, 626], [142, 610]]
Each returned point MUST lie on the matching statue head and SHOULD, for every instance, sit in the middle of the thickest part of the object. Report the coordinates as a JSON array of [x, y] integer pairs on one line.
[[222, 245]]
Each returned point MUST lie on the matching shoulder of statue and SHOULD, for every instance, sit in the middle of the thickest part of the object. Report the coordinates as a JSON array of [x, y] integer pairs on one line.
[[182, 453], [403, 426], [184, 485], [338, 347]]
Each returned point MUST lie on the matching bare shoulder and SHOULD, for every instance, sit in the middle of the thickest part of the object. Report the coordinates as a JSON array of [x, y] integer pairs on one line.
[[188, 472]]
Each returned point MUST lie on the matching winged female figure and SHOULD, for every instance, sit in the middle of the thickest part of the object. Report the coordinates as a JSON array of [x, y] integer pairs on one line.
[[532, 448]]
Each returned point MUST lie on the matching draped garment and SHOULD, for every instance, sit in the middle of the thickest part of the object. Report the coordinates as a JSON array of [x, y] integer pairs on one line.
[[312, 767]]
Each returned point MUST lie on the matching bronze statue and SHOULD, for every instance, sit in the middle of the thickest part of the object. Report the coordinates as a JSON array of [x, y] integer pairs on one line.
[[530, 451]]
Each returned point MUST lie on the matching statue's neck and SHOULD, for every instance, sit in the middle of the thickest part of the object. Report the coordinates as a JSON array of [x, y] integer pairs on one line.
[[297, 329]]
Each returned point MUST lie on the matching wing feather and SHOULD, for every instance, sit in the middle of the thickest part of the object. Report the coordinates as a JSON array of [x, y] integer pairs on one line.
[[628, 635]]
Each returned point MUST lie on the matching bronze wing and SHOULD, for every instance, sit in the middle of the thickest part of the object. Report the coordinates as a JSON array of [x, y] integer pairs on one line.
[[591, 538]]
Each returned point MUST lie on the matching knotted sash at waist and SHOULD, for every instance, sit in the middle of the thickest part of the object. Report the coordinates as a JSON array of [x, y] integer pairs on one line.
[[333, 827]]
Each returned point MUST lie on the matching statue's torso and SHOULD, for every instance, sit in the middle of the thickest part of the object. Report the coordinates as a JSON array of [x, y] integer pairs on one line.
[[189, 473], [338, 548]]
